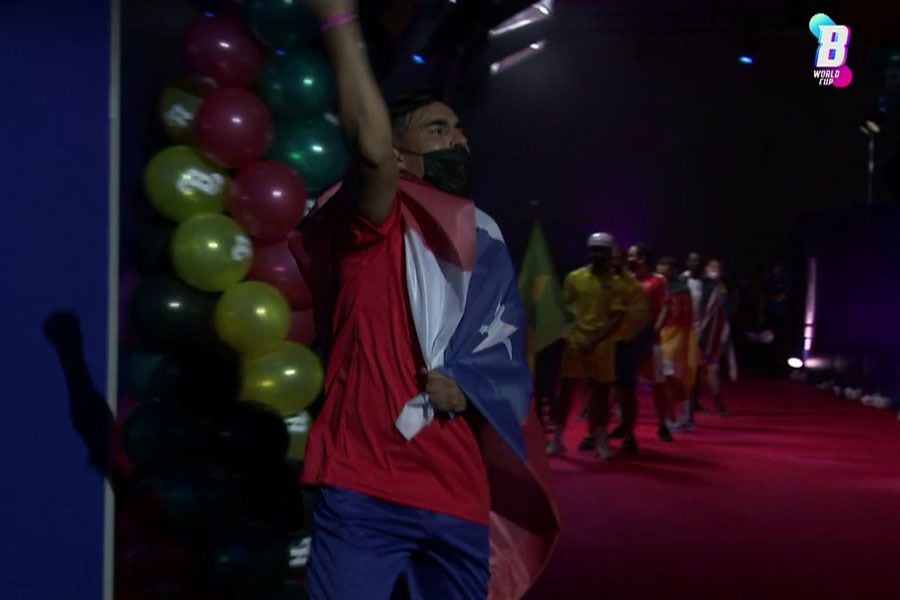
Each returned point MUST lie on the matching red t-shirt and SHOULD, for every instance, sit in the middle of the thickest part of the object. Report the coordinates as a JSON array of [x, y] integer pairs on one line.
[[370, 374], [656, 288]]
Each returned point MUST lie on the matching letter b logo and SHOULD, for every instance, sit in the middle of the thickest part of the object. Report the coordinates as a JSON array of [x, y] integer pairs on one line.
[[833, 41]]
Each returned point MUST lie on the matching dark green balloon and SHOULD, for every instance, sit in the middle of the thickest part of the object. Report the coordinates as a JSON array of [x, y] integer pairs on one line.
[[298, 84], [151, 246], [281, 24], [141, 370], [312, 147], [165, 310]]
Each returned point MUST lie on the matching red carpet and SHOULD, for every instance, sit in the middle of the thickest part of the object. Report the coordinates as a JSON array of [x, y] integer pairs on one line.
[[792, 495]]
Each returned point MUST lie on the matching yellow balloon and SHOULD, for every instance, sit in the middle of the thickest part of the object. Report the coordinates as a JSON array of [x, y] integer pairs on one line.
[[252, 317], [289, 378], [298, 428], [211, 252], [181, 183]]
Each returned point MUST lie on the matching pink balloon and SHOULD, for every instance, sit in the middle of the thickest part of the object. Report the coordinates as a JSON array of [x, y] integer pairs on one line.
[[274, 264], [303, 327], [219, 47], [267, 199], [233, 127]]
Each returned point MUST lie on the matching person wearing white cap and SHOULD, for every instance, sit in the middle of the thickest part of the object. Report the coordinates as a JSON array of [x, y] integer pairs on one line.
[[596, 298]]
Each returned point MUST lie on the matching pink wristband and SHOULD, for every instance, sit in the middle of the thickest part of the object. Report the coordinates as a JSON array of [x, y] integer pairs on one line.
[[338, 19]]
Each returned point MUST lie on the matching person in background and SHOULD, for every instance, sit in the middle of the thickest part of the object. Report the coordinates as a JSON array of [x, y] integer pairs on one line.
[[714, 333], [634, 338], [678, 341], [594, 296], [699, 287], [641, 262]]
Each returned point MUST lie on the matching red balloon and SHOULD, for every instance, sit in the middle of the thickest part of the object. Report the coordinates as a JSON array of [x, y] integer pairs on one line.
[[274, 264], [233, 127], [220, 47], [267, 199], [303, 327]]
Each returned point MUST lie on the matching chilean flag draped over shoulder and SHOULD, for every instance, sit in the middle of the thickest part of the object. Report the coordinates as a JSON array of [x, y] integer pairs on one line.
[[470, 325]]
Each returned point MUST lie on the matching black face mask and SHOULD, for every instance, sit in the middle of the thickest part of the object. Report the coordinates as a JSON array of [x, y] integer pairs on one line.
[[632, 265], [600, 262], [447, 169]]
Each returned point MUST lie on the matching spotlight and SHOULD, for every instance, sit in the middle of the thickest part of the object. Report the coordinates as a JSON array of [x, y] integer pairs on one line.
[[795, 363], [418, 59], [536, 12], [517, 57], [747, 47]]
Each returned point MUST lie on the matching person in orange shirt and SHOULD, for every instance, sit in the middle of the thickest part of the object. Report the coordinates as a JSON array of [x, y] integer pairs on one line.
[[641, 262], [678, 338], [631, 340]]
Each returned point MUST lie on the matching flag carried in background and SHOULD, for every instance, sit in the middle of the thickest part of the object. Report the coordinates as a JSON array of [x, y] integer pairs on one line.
[[545, 312]]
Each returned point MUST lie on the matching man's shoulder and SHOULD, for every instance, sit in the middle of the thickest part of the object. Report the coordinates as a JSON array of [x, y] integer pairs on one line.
[[488, 224], [579, 273]]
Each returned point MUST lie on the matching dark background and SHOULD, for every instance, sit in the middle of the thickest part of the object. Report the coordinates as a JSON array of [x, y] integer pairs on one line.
[[636, 118], [629, 125]]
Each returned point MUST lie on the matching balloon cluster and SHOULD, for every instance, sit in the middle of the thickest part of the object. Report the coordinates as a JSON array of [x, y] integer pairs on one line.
[[216, 359]]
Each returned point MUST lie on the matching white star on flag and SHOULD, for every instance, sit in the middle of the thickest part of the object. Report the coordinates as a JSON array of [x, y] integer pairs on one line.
[[497, 332]]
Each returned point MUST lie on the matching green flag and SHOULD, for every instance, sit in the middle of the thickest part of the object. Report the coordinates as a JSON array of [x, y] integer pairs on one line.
[[548, 319]]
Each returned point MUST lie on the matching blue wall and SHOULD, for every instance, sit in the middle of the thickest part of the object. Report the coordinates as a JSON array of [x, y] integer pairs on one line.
[[54, 62]]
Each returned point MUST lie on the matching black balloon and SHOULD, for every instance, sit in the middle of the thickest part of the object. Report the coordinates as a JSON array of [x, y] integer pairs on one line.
[[165, 310], [151, 246], [252, 436], [207, 372], [160, 433], [249, 561], [187, 501], [291, 591]]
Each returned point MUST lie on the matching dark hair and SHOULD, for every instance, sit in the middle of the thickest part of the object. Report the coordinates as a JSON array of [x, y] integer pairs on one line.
[[669, 261], [404, 105], [713, 259], [646, 252]]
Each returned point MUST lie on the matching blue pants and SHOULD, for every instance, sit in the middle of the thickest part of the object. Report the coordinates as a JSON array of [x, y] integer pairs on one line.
[[363, 547]]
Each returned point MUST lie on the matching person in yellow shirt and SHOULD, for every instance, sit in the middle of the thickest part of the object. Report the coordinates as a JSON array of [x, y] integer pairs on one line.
[[595, 297]]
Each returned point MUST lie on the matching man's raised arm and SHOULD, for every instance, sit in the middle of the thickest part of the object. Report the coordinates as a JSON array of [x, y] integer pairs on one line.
[[363, 113]]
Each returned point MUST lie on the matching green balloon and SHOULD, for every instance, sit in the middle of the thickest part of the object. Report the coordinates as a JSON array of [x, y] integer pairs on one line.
[[252, 317], [281, 24], [298, 84], [177, 108], [211, 252], [288, 378], [312, 147], [181, 184]]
